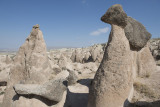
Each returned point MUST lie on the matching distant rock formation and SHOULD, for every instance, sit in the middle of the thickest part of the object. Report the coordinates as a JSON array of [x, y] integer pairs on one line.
[[8, 60], [30, 65], [89, 54], [126, 59], [155, 49]]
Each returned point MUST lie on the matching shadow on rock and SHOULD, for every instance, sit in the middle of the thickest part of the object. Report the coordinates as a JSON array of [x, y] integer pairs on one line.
[[86, 82], [42, 99], [76, 99], [142, 104]]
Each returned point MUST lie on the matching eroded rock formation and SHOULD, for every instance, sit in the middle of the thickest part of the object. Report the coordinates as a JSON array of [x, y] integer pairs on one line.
[[30, 65], [126, 60]]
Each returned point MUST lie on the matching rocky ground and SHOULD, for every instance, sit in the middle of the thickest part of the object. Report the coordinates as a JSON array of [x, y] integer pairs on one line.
[[85, 69]]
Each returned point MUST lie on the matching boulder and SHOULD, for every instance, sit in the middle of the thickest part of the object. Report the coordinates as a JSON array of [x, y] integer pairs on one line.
[[72, 78], [136, 33], [52, 90], [115, 15]]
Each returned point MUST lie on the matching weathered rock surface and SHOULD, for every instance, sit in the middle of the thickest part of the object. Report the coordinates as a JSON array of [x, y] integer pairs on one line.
[[145, 62], [115, 15], [72, 78], [8, 60], [113, 80], [4, 75], [52, 90], [136, 33], [155, 49], [30, 65], [88, 54], [122, 65], [95, 52]]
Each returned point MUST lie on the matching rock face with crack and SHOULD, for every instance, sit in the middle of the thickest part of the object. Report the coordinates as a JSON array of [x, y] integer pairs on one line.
[[30, 64], [126, 59]]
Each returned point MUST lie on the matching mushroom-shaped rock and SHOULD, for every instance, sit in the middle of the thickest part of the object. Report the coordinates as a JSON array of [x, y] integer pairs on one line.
[[136, 33], [122, 65], [113, 80]]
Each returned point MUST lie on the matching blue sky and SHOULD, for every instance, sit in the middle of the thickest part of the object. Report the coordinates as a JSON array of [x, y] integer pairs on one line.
[[67, 23]]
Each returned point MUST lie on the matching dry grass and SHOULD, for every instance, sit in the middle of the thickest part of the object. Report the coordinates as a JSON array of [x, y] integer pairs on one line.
[[142, 88]]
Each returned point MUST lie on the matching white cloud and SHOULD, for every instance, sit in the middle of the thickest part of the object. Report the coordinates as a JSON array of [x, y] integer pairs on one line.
[[83, 1], [99, 31]]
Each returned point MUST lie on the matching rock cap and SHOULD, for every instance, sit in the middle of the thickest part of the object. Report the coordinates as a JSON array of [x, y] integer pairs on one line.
[[36, 26], [115, 15]]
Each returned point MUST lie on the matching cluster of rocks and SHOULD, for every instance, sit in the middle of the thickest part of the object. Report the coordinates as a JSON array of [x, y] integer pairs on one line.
[[120, 73], [42, 78], [89, 54]]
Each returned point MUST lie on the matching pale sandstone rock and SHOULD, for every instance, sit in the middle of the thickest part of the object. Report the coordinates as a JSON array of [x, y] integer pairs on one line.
[[72, 78], [146, 63], [52, 90], [122, 66], [26, 102], [8, 60], [87, 56], [113, 80], [30, 65]]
